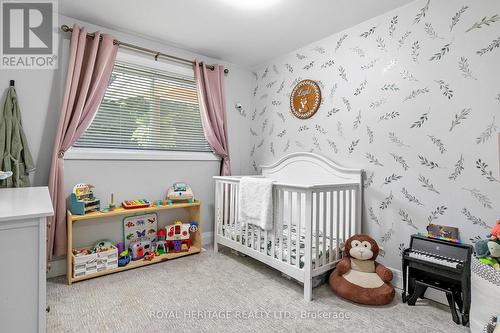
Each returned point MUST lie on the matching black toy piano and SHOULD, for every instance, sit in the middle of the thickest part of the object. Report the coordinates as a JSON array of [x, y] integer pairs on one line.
[[442, 265]]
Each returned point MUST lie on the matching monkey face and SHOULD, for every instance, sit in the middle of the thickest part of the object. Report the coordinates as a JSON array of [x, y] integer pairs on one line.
[[361, 250], [362, 247]]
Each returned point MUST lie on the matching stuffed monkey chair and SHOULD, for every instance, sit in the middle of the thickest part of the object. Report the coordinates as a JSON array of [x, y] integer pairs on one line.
[[358, 277]]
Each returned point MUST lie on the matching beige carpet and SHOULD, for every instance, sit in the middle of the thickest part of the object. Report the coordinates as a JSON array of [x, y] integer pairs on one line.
[[223, 293]]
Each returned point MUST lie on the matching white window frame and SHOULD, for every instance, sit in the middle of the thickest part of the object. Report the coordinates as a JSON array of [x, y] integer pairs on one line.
[[81, 153]]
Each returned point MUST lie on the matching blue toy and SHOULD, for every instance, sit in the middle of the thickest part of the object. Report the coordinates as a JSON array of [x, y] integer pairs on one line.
[[193, 226], [83, 200], [123, 255]]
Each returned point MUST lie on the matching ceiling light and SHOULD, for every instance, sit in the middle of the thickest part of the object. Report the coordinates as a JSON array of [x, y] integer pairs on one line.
[[252, 4]]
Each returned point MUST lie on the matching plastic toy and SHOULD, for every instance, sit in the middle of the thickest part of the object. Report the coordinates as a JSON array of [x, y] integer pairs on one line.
[[161, 244], [149, 256], [178, 237], [83, 200], [495, 231], [452, 240], [102, 246], [193, 226], [139, 248], [81, 252], [180, 192], [488, 252], [112, 204], [134, 204], [123, 255], [137, 226]]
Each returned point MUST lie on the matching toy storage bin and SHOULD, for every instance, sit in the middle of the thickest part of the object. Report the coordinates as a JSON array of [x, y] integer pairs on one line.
[[84, 264], [107, 259], [485, 290], [95, 262]]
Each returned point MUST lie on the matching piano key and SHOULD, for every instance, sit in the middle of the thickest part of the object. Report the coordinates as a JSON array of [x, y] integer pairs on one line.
[[433, 259]]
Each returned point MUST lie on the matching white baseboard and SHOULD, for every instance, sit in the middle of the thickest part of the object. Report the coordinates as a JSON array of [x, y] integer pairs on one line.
[[58, 265], [397, 280]]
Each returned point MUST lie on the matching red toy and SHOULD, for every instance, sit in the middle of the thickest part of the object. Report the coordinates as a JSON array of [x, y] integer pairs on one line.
[[150, 256], [178, 237], [495, 231]]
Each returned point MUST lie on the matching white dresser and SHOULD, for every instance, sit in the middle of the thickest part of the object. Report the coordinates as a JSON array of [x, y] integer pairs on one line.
[[23, 214]]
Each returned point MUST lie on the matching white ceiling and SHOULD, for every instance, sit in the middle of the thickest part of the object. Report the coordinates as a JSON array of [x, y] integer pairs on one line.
[[220, 29]]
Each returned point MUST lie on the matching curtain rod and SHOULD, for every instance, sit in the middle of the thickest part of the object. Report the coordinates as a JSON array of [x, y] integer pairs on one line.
[[156, 54]]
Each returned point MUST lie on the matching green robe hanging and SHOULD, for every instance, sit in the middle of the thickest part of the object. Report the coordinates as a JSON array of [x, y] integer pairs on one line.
[[15, 155]]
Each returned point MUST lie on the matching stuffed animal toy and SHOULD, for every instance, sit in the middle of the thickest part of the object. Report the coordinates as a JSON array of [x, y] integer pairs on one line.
[[488, 252], [494, 248], [481, 248], [495, 231], [358, 277]]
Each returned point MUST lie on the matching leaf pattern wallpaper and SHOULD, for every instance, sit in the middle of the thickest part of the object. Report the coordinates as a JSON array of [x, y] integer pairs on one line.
[[413, 98]]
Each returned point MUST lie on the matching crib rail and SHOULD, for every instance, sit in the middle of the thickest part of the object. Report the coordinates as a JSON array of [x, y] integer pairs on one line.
[[310, 222]]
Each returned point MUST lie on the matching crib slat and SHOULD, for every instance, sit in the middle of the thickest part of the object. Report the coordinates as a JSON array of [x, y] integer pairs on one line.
[[325, 204], [222, 208], [280, 224], [331, 228], [259, 230], [344, 215], [248, 234], [253, 236], [351, 221], [337, 222], [231, 212], [238, 222], [275, 215], [299, 224], [356, 212], [290, 216], [266, 233], [264, 250], [316, 232], [216, 215]]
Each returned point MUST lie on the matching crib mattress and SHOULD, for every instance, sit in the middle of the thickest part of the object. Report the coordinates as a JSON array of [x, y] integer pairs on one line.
[[281, 252]]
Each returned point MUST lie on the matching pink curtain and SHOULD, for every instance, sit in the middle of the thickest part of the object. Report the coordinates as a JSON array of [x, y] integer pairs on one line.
[[212, 97], [90, 64]]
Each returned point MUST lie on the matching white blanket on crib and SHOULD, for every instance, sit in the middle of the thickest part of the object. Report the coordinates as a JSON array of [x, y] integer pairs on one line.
[[256, 202]]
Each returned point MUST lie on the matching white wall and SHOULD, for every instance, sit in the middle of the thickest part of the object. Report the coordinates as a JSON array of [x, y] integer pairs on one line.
[[374, 55], [40, 93]]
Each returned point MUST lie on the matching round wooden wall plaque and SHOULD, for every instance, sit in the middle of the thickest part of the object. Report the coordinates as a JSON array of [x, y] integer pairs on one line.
[[305, 99]]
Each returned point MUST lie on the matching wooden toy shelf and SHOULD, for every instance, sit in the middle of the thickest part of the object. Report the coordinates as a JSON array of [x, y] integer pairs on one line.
[[194, 214]]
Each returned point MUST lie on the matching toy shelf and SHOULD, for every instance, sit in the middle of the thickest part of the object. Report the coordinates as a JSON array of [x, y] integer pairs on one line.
[[194, 214], [123, 211]]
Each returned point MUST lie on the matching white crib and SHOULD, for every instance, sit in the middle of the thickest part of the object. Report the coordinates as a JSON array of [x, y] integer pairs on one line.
[[317, 206]]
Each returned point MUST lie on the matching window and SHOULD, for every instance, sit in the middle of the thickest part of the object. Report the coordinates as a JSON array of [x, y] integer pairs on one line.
[[148, 108]]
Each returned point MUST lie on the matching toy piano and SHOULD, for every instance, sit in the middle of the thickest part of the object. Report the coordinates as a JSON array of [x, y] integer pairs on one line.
[[134, 204]]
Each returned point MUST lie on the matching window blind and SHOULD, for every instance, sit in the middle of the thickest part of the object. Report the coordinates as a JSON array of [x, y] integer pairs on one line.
[[147, 109]]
